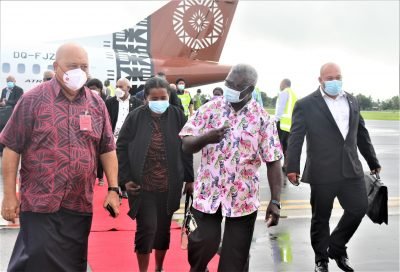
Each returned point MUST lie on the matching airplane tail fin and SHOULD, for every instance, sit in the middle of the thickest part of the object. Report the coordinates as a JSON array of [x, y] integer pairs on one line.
[[194, 29], [180, 31]]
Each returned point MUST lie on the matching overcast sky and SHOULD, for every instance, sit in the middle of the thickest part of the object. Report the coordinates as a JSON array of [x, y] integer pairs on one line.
[[282, 39]]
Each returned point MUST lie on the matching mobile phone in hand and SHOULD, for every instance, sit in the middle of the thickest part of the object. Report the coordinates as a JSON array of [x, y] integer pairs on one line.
[[110, 210]]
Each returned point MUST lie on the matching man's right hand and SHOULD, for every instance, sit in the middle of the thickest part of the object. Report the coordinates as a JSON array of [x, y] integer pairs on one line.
[[216, 135], [294, 178], [132, 188], [10, 208]]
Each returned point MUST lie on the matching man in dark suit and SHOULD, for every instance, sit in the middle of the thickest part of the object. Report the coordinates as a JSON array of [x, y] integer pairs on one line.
[[331, 121], [11, 94], [9, 98], [119, 107]]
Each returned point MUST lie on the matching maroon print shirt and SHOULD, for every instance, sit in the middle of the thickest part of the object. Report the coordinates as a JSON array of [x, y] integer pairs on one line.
[[58, 159]]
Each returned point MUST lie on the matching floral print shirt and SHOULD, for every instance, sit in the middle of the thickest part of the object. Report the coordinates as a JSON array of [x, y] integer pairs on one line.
[[228, 174]]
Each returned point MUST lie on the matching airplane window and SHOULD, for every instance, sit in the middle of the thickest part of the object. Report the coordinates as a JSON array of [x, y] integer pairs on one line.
[[5, 68], [21, 68], [50, 67], [36, 69]]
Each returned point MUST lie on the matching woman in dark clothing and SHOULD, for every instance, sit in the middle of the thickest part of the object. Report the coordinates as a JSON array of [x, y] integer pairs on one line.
[[153, 168]]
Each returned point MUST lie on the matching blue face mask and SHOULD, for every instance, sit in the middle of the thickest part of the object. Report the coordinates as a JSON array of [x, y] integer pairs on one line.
[[333, 87], [233, 96], [159, 106], [10, 84]]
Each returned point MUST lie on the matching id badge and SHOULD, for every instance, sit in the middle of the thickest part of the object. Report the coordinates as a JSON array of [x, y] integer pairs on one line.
[[85, 122]]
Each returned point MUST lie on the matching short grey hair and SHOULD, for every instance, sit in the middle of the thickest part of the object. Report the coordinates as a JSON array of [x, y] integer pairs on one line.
[[248, 71]]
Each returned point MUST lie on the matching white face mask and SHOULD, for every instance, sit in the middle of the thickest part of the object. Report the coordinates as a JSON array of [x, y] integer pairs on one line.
[[233, 96], [74, 79], [119, 93]]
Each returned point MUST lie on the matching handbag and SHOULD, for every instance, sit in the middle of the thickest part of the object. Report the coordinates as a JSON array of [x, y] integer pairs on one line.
[[377, 194], [189, 223]]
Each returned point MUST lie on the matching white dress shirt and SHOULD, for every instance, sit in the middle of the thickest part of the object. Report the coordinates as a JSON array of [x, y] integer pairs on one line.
[[281, 104], [123, 111], [340, 110]]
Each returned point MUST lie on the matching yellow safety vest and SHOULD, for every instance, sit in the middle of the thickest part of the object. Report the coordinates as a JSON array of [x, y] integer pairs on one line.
[[112, 90], [185, 99], [286, 119]]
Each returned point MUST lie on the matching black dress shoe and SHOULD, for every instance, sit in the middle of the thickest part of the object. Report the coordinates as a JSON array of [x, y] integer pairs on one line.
[[321, 266], [344, 264]]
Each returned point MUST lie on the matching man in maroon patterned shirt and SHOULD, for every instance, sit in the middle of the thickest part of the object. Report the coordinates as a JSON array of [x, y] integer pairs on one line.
[[59, 129]]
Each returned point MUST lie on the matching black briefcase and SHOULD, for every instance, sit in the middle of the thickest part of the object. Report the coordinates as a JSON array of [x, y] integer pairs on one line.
[[377, 199]]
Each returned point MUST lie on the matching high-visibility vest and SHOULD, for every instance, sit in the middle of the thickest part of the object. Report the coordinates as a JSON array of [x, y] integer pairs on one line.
[[185, 99], [112, 90], [286, 119], [197, 101]]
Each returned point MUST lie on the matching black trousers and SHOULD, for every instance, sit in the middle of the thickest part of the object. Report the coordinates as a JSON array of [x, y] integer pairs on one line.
[[51, 242], [205, 240], [153, 223], [283, 138], [352, 196], [100, 171]]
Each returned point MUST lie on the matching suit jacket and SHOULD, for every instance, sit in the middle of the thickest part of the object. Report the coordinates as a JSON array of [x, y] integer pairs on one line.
[[112, 105], [330, 158], [15, 94]]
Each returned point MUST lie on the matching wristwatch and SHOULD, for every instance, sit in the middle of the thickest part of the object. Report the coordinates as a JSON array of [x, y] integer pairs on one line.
[[277, 203], [115, 189]]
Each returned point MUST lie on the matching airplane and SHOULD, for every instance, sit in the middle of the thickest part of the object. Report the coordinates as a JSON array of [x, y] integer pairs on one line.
[[183, 39]]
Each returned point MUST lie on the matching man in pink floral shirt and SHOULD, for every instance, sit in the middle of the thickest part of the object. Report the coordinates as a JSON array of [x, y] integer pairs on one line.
[[234, 134]]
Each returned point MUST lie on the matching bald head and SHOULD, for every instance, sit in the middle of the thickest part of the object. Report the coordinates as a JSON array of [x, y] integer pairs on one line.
[[124, 84], [10, 78], [68, 49], [285, 83], [328, 67]]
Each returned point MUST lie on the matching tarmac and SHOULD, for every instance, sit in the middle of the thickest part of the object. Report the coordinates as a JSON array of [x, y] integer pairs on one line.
[[287, 246]]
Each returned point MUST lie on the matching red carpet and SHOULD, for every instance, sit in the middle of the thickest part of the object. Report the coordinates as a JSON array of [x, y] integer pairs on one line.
[[111, 242]]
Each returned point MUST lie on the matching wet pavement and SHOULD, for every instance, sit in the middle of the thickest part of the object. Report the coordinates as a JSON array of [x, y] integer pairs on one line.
[[287, 247]]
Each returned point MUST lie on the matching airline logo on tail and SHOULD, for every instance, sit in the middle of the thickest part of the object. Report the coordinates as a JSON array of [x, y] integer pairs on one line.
[[198, 18]]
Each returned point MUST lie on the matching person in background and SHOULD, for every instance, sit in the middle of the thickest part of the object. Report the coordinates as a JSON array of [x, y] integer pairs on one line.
[[257, 96], [58, 129], [185, 97], [110, 91], [197, 100], [173, 97], [48, 75], [119, 107], [140, 95], [330, 119], [10, 94], [283, 114], [97, 87], [234, 134], [217, 92], [9, 98], [153, 169]]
